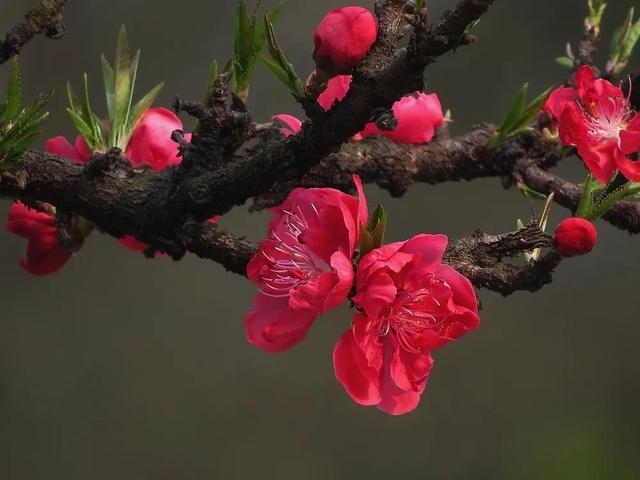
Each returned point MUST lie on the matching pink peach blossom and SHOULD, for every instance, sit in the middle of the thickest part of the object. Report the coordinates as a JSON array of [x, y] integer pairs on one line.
[[409, 303], [45, 253], [596, 118], [305, 267]]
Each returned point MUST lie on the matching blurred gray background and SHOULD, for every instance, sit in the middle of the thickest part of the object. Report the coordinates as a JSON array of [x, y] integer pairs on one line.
[[125, 368]]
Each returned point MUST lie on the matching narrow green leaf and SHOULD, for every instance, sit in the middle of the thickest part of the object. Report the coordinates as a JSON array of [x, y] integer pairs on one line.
[[596, 11], [18, 148], [565, 62], [605, 204], [126, 122], [14, 92], [513, 116], [243, 37], [529, 192], [261, 33], [85, 102], [143, 105], [623, 44], [520, 116], [27, 115], [292, 79], [84, 129], [531, 111], [517, 109], [276, 69], [586, 200], [122, 85], [109, 84], [74, 103]]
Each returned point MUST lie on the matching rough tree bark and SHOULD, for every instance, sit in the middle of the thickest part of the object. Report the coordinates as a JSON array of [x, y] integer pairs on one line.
[[168, 209]]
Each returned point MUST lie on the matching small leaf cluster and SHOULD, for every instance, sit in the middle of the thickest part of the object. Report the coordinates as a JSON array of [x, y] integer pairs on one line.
[[623, 43], [19, 125], [520, 116], [123, 115], [596, 11], [598, 199], [249, 41], [280, 66]]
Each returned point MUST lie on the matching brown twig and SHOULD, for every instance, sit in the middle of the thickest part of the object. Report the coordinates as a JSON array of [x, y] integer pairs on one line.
[[45, 18]]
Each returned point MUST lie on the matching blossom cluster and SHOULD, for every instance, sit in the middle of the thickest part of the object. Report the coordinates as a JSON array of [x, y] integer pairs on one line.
[[150, 147], [342, 39], [408, 302], [595, 117]]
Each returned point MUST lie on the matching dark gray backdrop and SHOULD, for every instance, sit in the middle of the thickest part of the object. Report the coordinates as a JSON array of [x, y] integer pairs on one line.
[[124, 368]]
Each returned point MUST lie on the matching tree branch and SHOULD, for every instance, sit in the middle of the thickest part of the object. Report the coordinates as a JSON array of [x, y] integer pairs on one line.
[[45, 18], [168, 209], [479, 257]]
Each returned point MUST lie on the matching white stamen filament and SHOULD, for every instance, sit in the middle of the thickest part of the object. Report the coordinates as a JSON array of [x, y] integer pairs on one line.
[[299, 265]]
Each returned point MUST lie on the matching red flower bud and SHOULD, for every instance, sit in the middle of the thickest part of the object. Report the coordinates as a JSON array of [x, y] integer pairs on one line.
[[343, 37], [575, 236]]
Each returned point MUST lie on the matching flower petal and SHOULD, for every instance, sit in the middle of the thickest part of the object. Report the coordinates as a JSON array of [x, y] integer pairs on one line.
[[273, 326], [630, 137], [559, 99], [151, 143], [61, 146], [351, 369], [395, 400], [600, 159]]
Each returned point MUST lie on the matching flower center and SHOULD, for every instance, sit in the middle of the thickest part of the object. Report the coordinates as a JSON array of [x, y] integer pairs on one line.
[[414, 312], [291, 262], [607, 119]]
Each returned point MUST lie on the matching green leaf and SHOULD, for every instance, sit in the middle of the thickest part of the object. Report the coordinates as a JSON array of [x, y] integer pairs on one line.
[[634, 190], [608, 201], [565, 62], [14, 92], [276, 69], [85, 102], [529, 192], [143, 105], [249, 39], [261, 32], [22, 127], [596, 11], [513, 116], [133, 69], [84, 129], [623, 43], [243, 34], [292, 80], [378, 224], [122, 85], [109, 84], [586, 200], [74, 103], [531, 112], [519, 117], [372, 236]]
